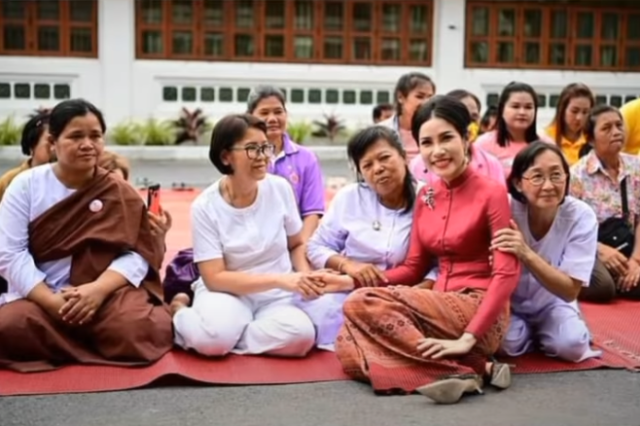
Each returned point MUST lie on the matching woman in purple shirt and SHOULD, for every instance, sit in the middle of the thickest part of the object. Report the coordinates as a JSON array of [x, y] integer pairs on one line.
[[297, 164], [366, 228]]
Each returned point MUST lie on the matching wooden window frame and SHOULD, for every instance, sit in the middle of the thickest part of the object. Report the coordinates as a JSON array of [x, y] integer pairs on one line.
[[64, 24], [317, 33], [571, 40]]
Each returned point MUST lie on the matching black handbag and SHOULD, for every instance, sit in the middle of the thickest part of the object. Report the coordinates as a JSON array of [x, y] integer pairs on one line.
[[615, 231]]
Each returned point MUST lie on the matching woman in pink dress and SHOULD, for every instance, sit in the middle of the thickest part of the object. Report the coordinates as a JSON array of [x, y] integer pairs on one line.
[[516, 125], [438, 342]]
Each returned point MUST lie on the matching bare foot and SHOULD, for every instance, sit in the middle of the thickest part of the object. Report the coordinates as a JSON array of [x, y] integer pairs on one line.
[[180, 300]]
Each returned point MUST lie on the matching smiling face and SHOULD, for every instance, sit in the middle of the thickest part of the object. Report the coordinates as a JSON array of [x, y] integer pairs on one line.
[[80, 144], [250, 156], [273, 113], [442, 148], [383, 168], [608, 134], [519, 111], [544, 183]]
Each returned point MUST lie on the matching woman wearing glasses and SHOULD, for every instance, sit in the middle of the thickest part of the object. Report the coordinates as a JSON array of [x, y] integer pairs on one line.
[[555, 238], [248, 248], [297, 164]]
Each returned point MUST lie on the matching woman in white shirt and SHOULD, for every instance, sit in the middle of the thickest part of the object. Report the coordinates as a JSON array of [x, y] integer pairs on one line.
[[247, 245]]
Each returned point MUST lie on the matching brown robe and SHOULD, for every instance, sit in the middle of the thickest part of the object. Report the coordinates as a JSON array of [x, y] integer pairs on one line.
[[133, 326]]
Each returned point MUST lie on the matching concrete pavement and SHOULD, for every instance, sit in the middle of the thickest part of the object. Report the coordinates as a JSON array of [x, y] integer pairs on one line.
[[597, 398]]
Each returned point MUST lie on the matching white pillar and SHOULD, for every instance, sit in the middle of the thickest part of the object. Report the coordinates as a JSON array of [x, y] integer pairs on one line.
[[116, 44], [449, 44]]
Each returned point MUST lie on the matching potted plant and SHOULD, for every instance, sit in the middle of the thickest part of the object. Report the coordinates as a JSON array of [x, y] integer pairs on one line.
[[126, 133], [191, 126], [157, 133], [299, 131], [10, 132], [330, 128]]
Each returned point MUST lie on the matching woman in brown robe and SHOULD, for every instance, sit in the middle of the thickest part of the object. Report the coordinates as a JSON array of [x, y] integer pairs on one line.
[[82, 264]]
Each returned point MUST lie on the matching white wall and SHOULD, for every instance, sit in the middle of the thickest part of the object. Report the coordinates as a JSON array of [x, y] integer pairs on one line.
[[124, 87]]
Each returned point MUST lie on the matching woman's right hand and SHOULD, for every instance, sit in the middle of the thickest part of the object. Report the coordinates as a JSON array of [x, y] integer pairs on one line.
[[366, 274], [613, 259], [304, 284]]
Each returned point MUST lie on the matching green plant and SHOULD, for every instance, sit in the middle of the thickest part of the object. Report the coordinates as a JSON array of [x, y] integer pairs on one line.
[[127, 133], [330, 128], [191, 126], [158, 133], [10, 132], [300, 131]]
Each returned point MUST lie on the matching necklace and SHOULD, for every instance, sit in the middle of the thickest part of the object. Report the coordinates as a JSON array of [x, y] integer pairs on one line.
[[230, 194]]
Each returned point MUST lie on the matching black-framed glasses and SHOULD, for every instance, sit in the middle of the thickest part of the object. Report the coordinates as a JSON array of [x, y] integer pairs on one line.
[[539, 180], [254, 150]]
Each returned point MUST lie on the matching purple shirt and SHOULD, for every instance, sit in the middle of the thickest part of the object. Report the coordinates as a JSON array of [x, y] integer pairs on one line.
[[300, 167]]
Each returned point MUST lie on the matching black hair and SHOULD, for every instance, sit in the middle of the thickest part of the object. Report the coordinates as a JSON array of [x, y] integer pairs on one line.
[[406, 84], [226, 133], [447, 108], [62, 114], [531, 134], [32, 131], [261, 93], [590, 126], [360, 143], [461, 94], [491, 112], [379, 109], [525, 159]]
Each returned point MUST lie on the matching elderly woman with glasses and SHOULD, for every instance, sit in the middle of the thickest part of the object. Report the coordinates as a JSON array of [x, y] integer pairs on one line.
[[554, 236], [250, 254]]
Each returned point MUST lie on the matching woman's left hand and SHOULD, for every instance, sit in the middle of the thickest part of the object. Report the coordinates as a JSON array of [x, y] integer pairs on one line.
[[631, 279], [510, 240], [82, 303], [160, 224], [440, 348]]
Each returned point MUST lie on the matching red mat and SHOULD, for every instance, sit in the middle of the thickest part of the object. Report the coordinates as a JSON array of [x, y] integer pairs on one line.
[[233, 370], [615, 329]]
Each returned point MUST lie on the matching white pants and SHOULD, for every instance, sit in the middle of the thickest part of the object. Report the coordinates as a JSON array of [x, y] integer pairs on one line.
[[264, 323], [559, 330]]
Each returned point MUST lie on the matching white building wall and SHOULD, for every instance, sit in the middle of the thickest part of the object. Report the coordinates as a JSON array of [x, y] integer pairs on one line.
[[128, 88]]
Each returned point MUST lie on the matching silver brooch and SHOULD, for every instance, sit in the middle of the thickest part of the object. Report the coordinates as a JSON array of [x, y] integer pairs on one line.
[[376, 225], [429, 198]]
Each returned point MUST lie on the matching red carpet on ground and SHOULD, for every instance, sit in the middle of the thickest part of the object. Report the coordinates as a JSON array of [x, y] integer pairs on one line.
[[615, 329]]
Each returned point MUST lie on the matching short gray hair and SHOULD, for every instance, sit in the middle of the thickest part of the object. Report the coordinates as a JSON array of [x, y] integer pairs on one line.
[[259, 93]]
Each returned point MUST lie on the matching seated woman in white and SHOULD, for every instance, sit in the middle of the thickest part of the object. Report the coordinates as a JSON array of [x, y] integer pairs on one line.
[[247, 244], [366, 228], [555, 237]]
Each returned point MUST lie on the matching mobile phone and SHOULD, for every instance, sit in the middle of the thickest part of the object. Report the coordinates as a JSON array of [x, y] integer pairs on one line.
[[153, 198]]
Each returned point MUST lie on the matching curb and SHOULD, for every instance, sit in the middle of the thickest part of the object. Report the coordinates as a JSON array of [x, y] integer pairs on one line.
[[175, 153]]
